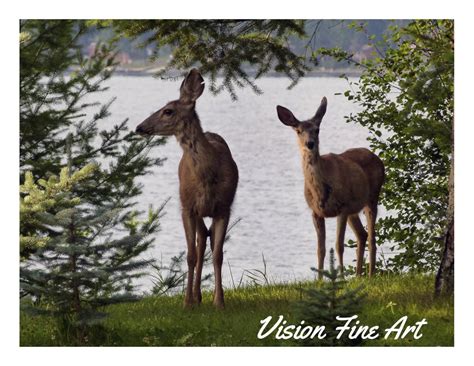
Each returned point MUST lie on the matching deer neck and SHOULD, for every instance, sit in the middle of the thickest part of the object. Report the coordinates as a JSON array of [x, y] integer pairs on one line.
[[196, 146], [313, 174]]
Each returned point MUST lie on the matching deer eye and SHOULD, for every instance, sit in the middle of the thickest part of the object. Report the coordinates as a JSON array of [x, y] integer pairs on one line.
[[168, 112]]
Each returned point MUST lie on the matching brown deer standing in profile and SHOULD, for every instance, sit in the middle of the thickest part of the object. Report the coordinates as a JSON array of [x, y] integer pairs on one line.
[[208, 178], [338, 185]]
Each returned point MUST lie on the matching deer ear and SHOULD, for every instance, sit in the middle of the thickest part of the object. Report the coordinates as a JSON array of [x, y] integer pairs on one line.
[[286, 116], [321, 111], [191, 87]]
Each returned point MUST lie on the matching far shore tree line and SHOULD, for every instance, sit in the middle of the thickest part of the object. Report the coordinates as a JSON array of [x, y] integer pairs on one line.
[[72, 206]]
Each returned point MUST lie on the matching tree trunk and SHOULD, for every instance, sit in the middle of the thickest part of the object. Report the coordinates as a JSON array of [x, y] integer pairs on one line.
[[445, 277]]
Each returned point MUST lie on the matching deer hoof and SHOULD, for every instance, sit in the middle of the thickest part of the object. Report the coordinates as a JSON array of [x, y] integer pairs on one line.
[[188, 303], [197, 299], [219, 304]]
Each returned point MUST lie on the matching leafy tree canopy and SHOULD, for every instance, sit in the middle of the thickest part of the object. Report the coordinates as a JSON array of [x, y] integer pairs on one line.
[[406, 92]]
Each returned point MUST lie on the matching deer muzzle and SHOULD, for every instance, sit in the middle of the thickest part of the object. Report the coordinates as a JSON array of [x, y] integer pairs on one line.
[[141, 130]]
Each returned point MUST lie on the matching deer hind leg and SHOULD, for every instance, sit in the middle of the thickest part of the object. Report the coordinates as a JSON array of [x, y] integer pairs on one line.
[[371, 214], [211, 231], [201, 249], [320, 227], [219, 229], [341, 231], [189, 223], [361, 235]]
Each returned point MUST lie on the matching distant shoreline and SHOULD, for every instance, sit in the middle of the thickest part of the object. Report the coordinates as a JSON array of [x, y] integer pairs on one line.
[[150, 71]]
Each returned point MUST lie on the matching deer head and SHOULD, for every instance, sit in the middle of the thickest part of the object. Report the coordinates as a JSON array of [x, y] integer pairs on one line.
[[307, 131], [172, 118]]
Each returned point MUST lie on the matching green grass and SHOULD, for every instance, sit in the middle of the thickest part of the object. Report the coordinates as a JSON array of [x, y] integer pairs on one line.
[[161, 321]]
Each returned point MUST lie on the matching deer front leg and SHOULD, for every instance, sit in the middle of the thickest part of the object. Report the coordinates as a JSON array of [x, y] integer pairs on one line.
[[201, 249], [219, 229], [189, 223], [361, 235], [371, 214], [341, 231], [320, 227]]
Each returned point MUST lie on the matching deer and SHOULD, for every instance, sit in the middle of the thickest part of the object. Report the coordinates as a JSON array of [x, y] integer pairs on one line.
[[208, 178], [338, 185]]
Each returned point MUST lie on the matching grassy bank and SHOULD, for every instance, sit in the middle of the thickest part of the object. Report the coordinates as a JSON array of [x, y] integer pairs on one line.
[[161, 321]]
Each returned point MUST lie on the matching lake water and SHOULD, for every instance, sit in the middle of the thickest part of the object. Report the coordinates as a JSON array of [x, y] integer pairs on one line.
[[276, 221]]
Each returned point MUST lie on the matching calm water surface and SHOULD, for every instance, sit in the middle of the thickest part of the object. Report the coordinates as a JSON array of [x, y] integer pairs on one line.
[[276, 221]]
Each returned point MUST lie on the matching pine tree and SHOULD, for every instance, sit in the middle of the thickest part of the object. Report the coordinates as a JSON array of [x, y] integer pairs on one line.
[[59, 87], [240, 51], [72, 274], [328, 300], [81, 243], [50, 195]]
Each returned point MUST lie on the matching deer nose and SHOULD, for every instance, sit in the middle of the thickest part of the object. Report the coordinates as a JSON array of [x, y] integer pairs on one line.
[[310, 145], [140, 129]]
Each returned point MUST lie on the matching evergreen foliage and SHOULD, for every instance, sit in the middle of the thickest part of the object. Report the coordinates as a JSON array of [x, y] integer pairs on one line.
[[233, 49], [323, 303], [406, 92], [58, 85], [81, 243], [50, 195], [83, 266]]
